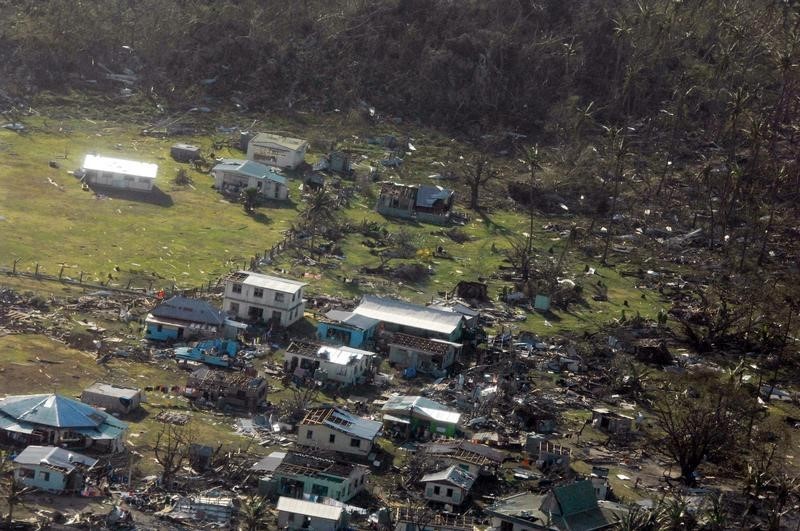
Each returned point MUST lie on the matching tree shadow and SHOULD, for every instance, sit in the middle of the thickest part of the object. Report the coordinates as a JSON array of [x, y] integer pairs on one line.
[[277, 203], [260, 217], [137, 415], [493, 227], [400, 221], [154, 197]]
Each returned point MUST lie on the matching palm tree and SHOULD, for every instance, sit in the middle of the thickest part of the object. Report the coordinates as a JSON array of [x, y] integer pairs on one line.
[[253, 513], [318, 213], [11, 490]]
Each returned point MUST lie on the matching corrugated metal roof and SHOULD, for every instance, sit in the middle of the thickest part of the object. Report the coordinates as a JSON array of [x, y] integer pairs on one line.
[[345, 422], [269, 463], [422, 406], [122, 166], [307, 508], [284, 141], [260, 280], [112, 390], [351, 319], [342, 355], [251, 169], [53, 456], [452, 475], [428, 195], [186, 309], [406, 314], [52, 410]]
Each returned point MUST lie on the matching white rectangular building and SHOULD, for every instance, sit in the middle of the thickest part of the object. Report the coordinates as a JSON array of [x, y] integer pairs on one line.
[[119, 173], [259, 297], [277, 150], [301, 514], [331, 428], [345, 365]]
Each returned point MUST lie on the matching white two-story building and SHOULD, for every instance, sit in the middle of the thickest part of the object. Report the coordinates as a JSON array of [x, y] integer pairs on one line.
[[259, 297]]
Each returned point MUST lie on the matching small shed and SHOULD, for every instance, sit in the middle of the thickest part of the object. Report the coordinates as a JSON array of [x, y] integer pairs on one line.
[[112, 398], [451, 485], [611, 422], [185, 152]]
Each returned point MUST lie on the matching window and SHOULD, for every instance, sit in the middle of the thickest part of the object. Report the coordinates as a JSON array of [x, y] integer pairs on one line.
[[276, 316], [355, 443], [255, 312], [278, 297], [449, 493], [290, 517], [310, 434], [234, 308], [332, 438], [258, 292], [437, 489], [293, 296], [236, 288], [27, 473], [45, 476], [319, 490], [160, 328]]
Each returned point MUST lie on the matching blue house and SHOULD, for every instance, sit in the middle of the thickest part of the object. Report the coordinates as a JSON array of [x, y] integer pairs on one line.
[[52, 469], [346, 328], [181, 319], [399, 316]]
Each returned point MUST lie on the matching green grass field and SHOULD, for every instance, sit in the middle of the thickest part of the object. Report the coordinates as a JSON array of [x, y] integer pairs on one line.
[[191, 235]]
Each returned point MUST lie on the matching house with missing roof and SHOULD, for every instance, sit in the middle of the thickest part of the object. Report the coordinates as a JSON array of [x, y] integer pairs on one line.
[[421, 202], [300, 475], [231, 176], [112, 398], [331, 428], [52, 469], [417, 417], [477, 459], [277, 150], [340, 327], [227, 389], [430, 356], [59, 421], [98, 170], [451, 485], [182, 318], [296, 514], [346, 365], [398, 316], [572, 507], [259, 297]]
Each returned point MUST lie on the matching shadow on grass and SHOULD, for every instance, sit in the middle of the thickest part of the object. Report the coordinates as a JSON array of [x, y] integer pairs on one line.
[[493, 227], [277, 203], [137, 415], [260, 217], [400, 221], [154, 197]]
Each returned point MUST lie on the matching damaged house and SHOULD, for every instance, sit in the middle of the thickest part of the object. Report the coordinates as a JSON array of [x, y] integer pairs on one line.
[[223, 388], [429, 356], [345, 365], [572, 507], [611, 422], [418, 417], [331, 428], [301, 475], [231, 176], [296, 514], [424, 203], [277, 150], [477, 459], [57, 420], [52, 469], [346, 328], [182, 318], [451, 485]]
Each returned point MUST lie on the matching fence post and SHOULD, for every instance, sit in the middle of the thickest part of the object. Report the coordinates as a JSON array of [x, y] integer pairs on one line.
[[61, 272], [36, 274], [80, 281]]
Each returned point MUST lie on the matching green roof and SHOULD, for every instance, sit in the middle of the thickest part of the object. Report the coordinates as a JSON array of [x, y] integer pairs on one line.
[[576, 497]]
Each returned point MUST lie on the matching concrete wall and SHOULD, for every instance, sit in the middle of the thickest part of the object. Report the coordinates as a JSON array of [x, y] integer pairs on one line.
[[273, 155], [161, 332], [321, 435], [430, 493], [357, 337], [291, 309], [56, 482], [342, 491], [292, 522], [118, 180]]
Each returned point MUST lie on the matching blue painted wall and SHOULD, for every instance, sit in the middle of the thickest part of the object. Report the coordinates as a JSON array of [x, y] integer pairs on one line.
[[166, 333], [56, 481], [357, 337]]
